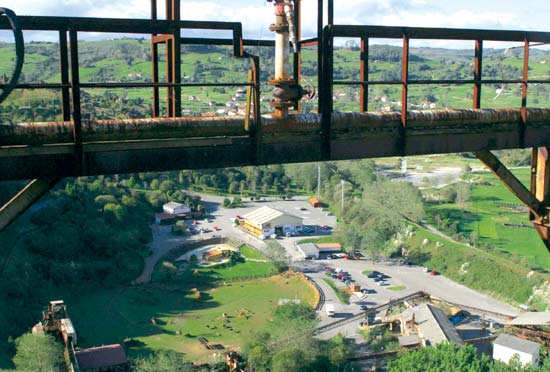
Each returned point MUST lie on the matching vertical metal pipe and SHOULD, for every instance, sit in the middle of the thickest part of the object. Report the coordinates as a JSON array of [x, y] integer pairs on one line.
[[478, 68], [155, 65], [176, 73], [364, 88], [297, 63], [525, 82], [330, 12], [64, 67], [169, 76], [326, 92], [320, 51], [281, 55], [405, 80], [75, 82]]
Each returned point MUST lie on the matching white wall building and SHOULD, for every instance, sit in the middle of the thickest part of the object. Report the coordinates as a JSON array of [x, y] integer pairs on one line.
[[308, 251], [506, 346], [267, 221], [175, 208]]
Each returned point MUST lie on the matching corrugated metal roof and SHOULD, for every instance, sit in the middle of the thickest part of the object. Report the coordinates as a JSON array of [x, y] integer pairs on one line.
[[518, 344], [434, 325], [308, 249], [265, 214], [101, 357], [532, 318]]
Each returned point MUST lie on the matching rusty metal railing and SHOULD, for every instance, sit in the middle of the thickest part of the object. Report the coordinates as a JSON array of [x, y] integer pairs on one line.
[[327, 82]]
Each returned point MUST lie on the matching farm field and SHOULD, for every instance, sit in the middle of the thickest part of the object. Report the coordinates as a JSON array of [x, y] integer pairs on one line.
[[112, 316], [497, 217], [221, 303]]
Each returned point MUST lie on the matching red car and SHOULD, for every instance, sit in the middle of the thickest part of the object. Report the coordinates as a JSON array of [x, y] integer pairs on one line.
[[433, 273], [216, 228]]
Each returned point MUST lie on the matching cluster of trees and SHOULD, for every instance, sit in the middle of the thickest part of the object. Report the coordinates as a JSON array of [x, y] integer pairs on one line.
[[288, 345], [449, 357], [89, 233]]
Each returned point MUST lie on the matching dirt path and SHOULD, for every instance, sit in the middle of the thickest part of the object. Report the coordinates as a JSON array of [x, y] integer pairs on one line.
[[163, 242]]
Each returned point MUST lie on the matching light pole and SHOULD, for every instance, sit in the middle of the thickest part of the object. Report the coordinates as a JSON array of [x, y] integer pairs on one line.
[[342, 183], [319, 182]]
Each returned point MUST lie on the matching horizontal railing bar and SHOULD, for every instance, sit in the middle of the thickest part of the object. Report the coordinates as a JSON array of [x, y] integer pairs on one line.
[[127, 85], [114, 25], [435, 82], [392, 32]]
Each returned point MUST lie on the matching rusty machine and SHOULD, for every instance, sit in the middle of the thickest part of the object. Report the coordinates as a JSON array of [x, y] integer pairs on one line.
[[75, 146]]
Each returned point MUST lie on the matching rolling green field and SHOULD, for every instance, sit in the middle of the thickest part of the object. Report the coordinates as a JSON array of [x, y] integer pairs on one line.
[[491, 208], [474, 267], [112, 316]]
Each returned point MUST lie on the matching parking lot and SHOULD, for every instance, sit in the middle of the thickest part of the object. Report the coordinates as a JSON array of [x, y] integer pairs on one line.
[[399, 280], [222, 220]]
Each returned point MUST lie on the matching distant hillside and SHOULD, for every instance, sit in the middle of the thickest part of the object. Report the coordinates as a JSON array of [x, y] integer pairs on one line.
[[128, 60]]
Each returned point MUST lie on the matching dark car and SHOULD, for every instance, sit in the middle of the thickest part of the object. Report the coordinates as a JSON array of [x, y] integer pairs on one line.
[[363, 307], [378, 279], [372, 275]]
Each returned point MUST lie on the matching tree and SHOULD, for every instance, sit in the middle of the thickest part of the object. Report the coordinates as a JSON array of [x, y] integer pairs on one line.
[[463, 192], [155, 184], [444, 357], [38, 353], [289, 360], [226, 202], [163, 361], [166, 186], [277, 254]]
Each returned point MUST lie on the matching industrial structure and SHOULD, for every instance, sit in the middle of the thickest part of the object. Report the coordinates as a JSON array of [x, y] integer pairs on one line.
[[56, 322], [45, 152], [266, 221]]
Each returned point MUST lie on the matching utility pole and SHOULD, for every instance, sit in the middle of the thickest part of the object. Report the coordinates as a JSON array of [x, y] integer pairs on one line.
[[342, 184], [319, 182]]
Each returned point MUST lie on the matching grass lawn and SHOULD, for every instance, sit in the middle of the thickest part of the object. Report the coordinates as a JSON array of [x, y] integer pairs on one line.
[[491, 206], [397, 288], [366, 272], [251, 253], [341, 293], [474, 267], [111, 316]]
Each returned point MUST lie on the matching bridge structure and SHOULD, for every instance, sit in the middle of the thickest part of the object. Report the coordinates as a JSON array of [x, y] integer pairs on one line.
[[48, 151]]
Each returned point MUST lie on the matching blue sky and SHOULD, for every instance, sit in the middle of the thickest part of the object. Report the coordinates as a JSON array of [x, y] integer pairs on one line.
[[256, 15]]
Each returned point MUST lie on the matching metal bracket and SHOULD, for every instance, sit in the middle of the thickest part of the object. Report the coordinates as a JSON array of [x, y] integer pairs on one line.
[[24, 199], [535, 199]]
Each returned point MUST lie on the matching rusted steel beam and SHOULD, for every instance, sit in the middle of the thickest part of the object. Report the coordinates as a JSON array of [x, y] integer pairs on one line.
[[364, 75], [33, 191], [478, 68], [524, 84], [114, 25], [405, 80], [391, 32], [542, 185], [64, 70], [511, 182]]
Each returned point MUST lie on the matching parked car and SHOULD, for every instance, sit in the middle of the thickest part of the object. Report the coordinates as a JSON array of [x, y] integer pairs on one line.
[[216, 228], [383, 283], [371, 275], [363, 307], [425, 269], [378, 279], [288, 234], [434, 273], [273, 236], [364, 290]]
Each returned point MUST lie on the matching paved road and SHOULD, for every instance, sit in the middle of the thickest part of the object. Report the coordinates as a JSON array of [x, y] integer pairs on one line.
[[223, 219]]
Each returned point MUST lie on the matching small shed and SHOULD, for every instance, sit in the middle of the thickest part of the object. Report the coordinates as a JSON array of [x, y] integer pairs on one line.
[[329, 247], [308, 251], [175, 208], [315, 203], [506, 346]]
